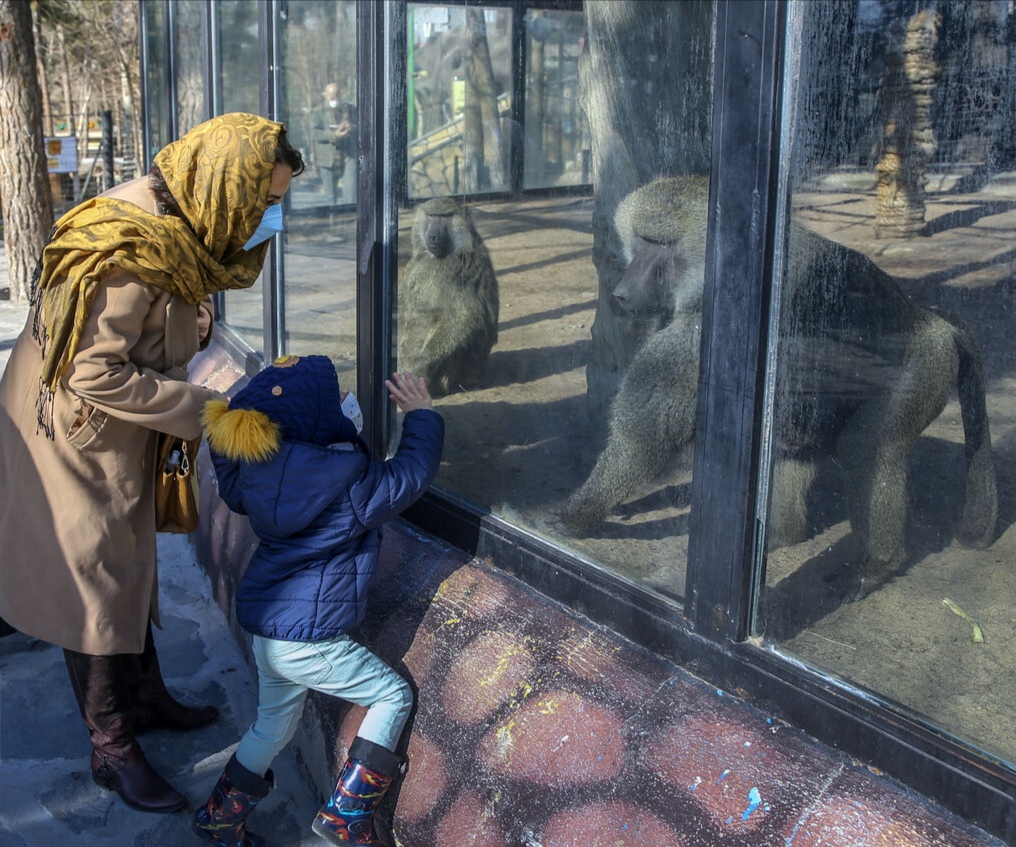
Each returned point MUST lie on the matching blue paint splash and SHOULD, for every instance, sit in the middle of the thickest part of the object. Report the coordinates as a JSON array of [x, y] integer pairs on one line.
[[754, 801]]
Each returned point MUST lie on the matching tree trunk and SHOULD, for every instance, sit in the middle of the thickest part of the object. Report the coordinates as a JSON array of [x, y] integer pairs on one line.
[[908, 136], [471, 175], [47, 110], [536, 160], [645, 78], [25, 199], [480, 75]]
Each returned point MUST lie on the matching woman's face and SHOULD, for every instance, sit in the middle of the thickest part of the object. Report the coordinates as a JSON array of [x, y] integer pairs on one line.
[[282, 174]]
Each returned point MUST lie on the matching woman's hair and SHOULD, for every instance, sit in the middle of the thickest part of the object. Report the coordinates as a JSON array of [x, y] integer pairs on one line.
[[284, 152], [164, 199], [288, 154]]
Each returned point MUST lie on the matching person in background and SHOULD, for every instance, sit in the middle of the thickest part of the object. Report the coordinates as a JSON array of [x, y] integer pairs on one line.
[[119, 306], [334, 134], [287, 453]]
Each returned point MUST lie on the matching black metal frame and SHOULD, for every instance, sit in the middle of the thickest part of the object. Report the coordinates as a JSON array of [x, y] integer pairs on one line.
[[273, 315], [377, 223]]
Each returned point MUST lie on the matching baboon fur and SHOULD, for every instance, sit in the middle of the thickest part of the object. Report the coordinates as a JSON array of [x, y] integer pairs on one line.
[[448, 299], [864, 370]]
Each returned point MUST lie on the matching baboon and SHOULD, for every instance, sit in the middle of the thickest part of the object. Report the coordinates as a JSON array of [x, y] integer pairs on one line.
[[864, 370], [448, 299]]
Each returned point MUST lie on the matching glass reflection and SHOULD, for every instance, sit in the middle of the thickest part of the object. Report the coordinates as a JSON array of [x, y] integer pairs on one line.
[[529, 424], [319, 75], [555, 128], [190, 77], [891, 493], [238, 48], [459, 99], [157, 112]]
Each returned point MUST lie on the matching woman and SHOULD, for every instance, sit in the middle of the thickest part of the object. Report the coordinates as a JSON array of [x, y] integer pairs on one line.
[[118, 301]]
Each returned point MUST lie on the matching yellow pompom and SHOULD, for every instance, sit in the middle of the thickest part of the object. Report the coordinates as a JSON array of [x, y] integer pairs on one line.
[[240, 434]]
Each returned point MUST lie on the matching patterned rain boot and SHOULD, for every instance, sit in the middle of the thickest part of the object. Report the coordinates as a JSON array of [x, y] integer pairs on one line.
[[348, 816], [222, 819]]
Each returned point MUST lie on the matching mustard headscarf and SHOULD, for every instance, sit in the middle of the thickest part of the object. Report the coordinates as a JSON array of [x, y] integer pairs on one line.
[[219, 174]]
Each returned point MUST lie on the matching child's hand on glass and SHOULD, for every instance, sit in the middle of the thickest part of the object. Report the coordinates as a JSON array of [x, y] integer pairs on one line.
[[409, 392]]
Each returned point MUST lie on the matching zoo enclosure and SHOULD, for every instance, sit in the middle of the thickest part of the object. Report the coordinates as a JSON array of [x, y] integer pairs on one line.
[[783, 133]]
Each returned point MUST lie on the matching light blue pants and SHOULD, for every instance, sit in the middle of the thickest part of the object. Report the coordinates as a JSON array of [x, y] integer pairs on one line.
[[340, 667]]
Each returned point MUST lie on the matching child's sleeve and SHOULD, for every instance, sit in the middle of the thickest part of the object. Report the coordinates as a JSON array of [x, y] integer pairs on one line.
[[227, 472], [390, 487]]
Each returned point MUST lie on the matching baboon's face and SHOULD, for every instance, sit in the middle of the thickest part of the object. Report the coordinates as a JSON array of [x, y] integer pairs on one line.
[[647, 285], [662, 227], [437, 234]]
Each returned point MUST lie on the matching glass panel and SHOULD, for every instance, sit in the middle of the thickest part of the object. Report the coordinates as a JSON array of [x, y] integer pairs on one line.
[[318, 78], [889, 533], [241, 63], [528, 350], [460, 99], [157, 85], [190, 69], [237, 37], [556, 132]]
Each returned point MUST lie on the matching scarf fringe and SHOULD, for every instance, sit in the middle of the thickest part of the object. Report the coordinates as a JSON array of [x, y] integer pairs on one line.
[[44, 411], [39, 332], [46, 397]]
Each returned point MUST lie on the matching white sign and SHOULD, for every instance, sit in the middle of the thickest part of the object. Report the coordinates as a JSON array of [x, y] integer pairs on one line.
[[62, 154]]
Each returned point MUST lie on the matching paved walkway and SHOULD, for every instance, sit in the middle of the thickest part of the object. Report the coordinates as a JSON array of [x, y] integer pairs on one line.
[[47, 797]]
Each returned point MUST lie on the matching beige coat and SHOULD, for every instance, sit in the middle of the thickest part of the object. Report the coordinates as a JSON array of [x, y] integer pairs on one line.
[[77, 513]]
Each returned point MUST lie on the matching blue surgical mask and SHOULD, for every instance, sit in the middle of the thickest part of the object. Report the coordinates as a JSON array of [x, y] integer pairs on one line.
[[271, 223], [351, 409]]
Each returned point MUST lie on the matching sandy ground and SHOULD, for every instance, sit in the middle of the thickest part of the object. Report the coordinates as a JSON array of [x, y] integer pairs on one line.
[[902, 641]]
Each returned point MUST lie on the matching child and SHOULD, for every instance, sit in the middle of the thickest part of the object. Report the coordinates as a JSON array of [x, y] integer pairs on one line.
[[287, 454]]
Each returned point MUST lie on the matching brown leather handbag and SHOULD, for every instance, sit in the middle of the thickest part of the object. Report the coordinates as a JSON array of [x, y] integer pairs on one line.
[[176, 484]]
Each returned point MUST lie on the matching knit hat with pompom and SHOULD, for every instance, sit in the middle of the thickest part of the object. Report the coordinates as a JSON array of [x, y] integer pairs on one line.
[[296, 399]]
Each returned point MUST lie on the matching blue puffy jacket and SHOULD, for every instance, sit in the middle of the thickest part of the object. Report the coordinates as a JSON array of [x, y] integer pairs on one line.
[[318, 511]]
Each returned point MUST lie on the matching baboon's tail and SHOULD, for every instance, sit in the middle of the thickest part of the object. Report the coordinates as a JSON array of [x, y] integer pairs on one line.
[[977, 528]]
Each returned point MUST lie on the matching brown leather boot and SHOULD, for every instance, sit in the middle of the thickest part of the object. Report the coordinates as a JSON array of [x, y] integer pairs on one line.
[[100, 684], [155, 707], [119, 764]]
